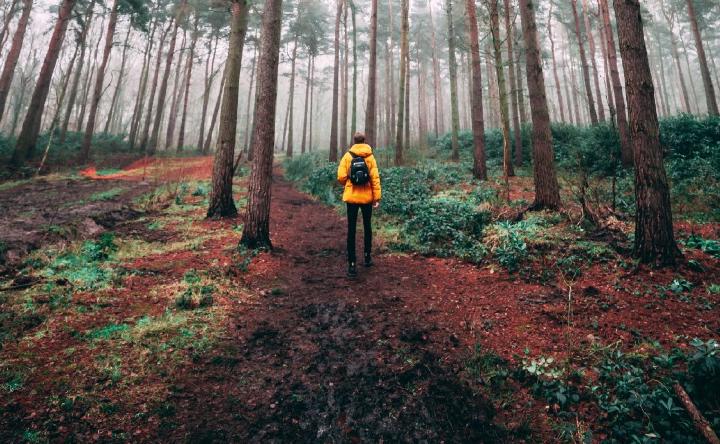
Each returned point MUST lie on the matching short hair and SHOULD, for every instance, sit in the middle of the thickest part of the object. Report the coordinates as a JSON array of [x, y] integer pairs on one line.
[[359, 137]]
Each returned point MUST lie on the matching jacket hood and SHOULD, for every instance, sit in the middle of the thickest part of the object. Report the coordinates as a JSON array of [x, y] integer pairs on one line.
[[361, 149]]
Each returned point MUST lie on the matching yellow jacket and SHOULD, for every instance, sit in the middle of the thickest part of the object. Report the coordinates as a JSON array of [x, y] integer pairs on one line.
[[360, 194]]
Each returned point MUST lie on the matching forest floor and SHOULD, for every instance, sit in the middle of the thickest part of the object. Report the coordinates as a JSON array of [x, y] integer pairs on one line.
[[160, 328]]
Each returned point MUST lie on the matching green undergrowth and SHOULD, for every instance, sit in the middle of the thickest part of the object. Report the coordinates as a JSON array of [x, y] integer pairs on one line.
[[632, 390]]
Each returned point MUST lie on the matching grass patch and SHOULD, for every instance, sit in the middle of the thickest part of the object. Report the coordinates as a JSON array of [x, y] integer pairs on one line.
[[106, 195]]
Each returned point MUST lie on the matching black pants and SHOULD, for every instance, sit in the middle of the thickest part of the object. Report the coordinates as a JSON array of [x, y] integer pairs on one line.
[[352, 211]]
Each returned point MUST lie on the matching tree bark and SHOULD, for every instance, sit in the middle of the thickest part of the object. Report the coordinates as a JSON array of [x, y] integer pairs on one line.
[[593, 61], [370, 119], [437, 102], [625, 143], [211, 130], [149, 114], [353, 112], [453, 83], [404, 29], [654, 239], [305, 105], [9, 14], [312, 103], [188, 78], [554, 64], [513, 86], [118, 85], [221, 197], [176, 96], [256, 232], [99, 80], [508, 170], [248, 115], [585, 68], [25, 145], [13, 55], [152, 144], [519, 77], [140, 98], [547, 190], [342, 140], [291, 105], [333, 155], [478, 121], [704, 71]]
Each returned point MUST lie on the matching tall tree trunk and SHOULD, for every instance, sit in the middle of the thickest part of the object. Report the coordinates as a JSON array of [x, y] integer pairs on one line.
[[82, 42], [388, 98], [513, 87], [303, 143], [554, 63], [63, 90], [654, 239], [221, 197], [353, 112], [390, 80], [333, 155], [291, 105], [218, 102], [547, 190], [704, 71], [99, 80], [585, 68], [625, 143], [519, 76], [9, 15], [695, 102], [508, 170], [209, 77], [399, 131], [453, 83], [118, 85], [176, 96], [407, 98], [248, 115], [153, 88], [312, 103], [25, 145], [421, 103], [437, 102], [188, 77], [140, 98], [13, 55], [89, 75], [593, 61], [478, 122], [153, 143], [606, 65], [370, 116], [344, 84], [256, 232]]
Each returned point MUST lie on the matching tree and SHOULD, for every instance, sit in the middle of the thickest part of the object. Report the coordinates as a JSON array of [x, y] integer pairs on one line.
[[188, 78], [508, 170], [596, 77], [25, 146], [547, 190], [621, 116], [256, 231], [336, 72], [513, 85], [558, 90], [99, 80], [478, 123], [404, 56], [152, 144], [453, 83], [13, 55], [584, 64], [654, 239], [704, 71], [370, 118], [221, 197]]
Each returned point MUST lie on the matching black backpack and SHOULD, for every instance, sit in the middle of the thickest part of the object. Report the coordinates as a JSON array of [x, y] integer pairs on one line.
[[359, 172]]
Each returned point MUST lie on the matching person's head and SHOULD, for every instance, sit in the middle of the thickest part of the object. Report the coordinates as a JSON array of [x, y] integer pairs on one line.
[[359, 137]]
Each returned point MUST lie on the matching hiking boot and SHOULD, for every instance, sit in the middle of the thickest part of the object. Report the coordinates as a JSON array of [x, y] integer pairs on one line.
[[352, 270], [368, 260]]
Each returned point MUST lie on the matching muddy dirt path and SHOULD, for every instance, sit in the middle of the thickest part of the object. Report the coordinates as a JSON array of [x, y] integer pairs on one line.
[[321, 358]]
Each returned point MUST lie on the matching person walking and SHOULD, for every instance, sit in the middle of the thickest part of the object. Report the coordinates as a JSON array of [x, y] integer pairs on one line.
[[358, 173]]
